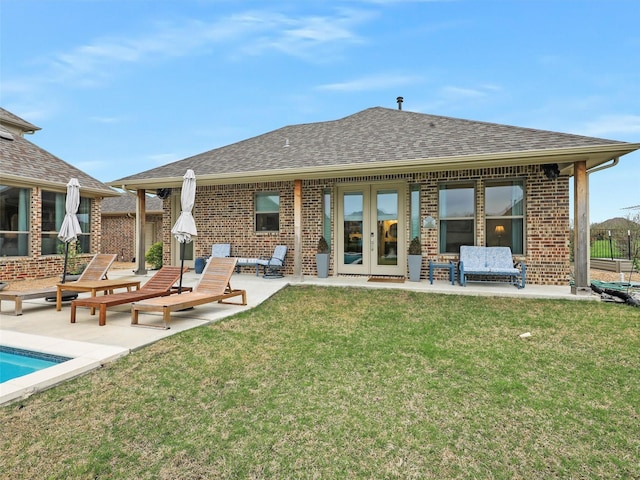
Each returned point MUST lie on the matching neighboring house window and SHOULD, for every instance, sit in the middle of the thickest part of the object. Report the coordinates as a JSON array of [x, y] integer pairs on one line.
[[326, 215], [457, 214], [415, 210], [267, 212], [53, 212], [504, 214], [14, 221]]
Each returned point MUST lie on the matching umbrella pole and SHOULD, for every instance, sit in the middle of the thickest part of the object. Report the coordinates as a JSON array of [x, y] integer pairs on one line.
[[66, 258], [182, 248]]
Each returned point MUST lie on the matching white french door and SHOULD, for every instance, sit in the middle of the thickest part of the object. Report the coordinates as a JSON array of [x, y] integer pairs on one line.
[[370, 229]]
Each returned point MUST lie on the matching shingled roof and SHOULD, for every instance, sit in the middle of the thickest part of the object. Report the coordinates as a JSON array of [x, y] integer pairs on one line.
[[126, 203], [376, 138], [25, 163], [12, 119]]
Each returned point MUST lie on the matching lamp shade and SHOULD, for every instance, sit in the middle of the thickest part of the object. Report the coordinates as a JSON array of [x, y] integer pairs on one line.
[[499, 229]]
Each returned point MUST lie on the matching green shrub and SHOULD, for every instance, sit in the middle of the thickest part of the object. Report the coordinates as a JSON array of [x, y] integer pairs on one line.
[[75, 263], [323, 246], [154, 255], [415, 248]]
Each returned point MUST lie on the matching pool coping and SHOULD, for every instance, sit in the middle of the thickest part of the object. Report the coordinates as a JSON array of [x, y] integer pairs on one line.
[[84, 358]]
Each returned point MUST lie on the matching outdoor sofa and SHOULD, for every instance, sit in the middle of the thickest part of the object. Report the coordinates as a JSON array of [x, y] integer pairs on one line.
[[490, 264]]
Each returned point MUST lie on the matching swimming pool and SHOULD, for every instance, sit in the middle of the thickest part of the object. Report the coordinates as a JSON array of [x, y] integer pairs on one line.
[[82, 357], [16, 362]]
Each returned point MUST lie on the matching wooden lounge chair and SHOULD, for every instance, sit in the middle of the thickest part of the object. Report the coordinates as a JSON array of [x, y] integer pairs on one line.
[[214, 286], [158, 285], [95, 270]]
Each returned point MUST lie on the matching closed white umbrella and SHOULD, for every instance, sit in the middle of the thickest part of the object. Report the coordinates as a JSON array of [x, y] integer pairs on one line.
[[70, 228], [185, 227]]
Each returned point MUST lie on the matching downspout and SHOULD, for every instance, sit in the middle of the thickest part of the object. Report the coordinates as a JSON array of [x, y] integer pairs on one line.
[[604, 167]]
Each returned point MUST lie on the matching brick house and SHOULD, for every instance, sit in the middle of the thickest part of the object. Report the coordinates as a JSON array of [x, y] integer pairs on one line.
[[33, 186], [119, 225], [372, 181]]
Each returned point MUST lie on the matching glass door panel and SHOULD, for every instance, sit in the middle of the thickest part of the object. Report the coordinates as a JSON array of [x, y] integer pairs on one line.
[[353, 227], [387, 223]]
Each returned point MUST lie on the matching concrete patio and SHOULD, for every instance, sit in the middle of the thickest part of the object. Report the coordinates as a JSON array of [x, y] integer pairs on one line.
[[42, 328]]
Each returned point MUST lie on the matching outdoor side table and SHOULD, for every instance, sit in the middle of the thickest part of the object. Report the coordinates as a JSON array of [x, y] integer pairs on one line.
[[450, 265], [94, 286]]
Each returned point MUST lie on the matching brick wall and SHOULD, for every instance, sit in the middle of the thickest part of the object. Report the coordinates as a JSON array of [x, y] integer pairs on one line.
[[119, 234], [224, 214], [547, 219]]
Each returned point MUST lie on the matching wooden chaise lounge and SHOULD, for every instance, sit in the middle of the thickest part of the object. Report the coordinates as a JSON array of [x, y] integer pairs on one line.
[[95, 270], [158, 285], [214, 286]]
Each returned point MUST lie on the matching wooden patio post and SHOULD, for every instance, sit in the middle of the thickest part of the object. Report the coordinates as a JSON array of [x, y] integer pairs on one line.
[[297, 227], [581, 255], [141, 216]]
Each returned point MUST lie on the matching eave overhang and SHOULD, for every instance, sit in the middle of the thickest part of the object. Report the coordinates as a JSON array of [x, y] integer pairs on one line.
[[565, 158], [89, 192]]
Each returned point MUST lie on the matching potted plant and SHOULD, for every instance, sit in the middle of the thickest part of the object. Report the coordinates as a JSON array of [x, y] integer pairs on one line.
[[322, 258], [415, 259]]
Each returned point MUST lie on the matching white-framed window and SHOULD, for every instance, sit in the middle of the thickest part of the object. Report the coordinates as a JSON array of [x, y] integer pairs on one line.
[[267, 210], [14, 221], [457, 216], [504, 214]]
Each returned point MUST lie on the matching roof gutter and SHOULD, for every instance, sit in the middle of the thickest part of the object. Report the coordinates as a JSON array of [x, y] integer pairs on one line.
[[56, 186], [594, 155]]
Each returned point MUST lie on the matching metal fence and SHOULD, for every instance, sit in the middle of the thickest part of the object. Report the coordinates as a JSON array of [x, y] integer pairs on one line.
[[615, 244]]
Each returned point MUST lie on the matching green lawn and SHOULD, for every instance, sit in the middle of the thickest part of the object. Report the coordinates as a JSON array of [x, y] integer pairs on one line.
[[334, 383]]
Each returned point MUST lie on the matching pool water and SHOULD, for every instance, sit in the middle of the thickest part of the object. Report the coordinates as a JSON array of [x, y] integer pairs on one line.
[[15, 362]]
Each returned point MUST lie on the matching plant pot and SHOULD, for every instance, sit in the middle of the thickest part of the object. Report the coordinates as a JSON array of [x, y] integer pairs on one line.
[[70, 277], [322, 265], [415, 267]]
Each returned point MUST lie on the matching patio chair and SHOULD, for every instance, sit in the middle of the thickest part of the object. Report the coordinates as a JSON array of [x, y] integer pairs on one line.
[[97, 267], [95, 270], [214, 286], [221, 250], [272, 267], [160, 284]]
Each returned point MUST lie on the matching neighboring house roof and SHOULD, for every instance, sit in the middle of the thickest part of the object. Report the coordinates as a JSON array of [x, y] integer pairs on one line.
[[14, 120], [380, 140], [126, 203], [24, 163]]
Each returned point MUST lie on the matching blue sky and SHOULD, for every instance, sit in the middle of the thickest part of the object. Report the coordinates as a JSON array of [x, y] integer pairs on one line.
[[122, 86]]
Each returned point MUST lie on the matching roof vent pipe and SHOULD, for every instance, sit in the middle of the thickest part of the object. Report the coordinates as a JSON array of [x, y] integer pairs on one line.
[[399, 100]]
